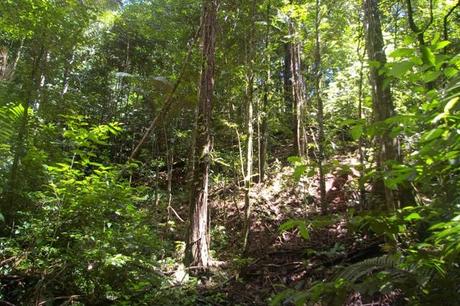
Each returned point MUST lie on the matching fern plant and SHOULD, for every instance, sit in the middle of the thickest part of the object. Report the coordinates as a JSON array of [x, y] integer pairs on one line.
[[10, 116]]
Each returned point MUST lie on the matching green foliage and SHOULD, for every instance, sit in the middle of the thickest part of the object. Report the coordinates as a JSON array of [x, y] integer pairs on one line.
[[298, 224], [88, 234], [94, 73]]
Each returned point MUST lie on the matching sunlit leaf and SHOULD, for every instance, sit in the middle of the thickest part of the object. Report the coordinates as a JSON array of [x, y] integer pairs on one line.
[[442, 44], [299, 171], [400, 69], [450, 72], [428, 55], [402, 52], [413, 216], [430, 76], [451, 104], [356, 131]]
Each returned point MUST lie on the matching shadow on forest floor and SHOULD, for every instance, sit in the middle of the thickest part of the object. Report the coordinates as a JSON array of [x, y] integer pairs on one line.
[[279, 260]]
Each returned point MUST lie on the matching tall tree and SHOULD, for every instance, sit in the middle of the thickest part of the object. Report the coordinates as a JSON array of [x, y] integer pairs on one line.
[[382, 103], [295, 88], [250, 48], [320, 110], [197, 241], [263, 109]]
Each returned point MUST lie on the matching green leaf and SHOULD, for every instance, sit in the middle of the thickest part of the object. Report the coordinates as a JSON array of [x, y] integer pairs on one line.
[[436, 38], [375, 64], [431, 76], [299, 224], [433, 134], [303, 231], [2, 218], [442, 44], [400, 69], [356, 131], [451, 104], [413, 216], [428, 56], [289, 224], [416, 60], [450, 72], [402, 52], [294, 159], [299, 171]]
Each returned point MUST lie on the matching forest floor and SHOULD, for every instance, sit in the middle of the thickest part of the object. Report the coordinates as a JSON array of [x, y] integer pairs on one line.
[[279, 260]]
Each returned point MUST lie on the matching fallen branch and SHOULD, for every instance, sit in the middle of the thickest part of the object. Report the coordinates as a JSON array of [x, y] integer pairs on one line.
[[4, 262]]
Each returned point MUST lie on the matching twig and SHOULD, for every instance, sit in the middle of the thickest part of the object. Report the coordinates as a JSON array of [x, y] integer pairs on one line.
[[175, 213], [4, 262]]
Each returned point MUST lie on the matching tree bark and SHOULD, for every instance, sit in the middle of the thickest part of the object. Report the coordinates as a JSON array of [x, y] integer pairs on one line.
[[250, 129], [362, 157], [197, 242], [382, 104], [320, 111], [298, 94], [287, 78], [263, 136]]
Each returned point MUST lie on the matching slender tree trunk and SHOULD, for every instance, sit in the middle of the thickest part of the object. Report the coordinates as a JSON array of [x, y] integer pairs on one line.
[[362, 157], [250, 129], [382, 103], [320, 111], [249, 164], [287, 78], [264, 117], [7, 70], [298, 94], [169, 166], [197, 241], [264, 133], [42, 94], [67, 70]]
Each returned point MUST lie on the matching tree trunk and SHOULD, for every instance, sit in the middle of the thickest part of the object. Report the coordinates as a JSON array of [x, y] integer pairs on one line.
[[250, 129], [298, 94], [263, 136], [249, 162], [287, 78], [382, 103], [320, 114], [197, 242], [362, 157]]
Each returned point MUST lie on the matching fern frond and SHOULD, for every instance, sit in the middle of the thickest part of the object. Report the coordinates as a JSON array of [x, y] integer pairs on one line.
[[383, 263], [9, 115]]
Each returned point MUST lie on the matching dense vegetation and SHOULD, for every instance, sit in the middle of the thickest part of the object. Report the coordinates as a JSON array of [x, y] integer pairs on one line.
[[229, 152]]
